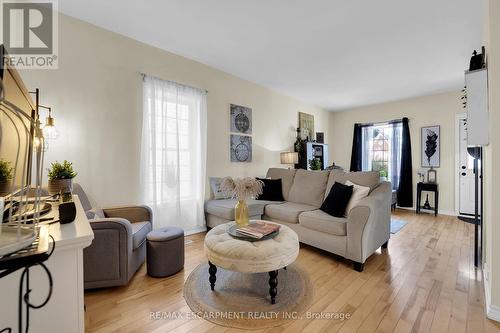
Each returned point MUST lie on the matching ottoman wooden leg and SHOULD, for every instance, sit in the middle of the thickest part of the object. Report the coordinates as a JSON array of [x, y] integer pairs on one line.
[[273, 284], [212, 271]]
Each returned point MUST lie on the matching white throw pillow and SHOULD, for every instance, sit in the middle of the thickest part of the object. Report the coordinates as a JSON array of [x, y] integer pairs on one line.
[[215, 186], [358, 193]]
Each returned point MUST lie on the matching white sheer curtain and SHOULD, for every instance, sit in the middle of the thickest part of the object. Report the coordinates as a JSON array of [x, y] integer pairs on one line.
[[173, 153]]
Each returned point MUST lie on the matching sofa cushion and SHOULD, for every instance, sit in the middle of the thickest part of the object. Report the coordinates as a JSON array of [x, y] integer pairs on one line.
[[363, 178], [358, 192], [139, 232], [215, 187], [309, 187], [225, 208], [337, 200], [272, 190], [286, 176], [322, 222], [287, 212]]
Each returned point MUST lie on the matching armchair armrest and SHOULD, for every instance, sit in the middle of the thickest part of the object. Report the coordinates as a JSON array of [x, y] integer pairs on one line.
[[105, 261], [137, 213], [368, 223]]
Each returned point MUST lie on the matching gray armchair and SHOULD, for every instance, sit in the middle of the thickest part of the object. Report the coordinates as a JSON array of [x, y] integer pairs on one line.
[[119, 246]]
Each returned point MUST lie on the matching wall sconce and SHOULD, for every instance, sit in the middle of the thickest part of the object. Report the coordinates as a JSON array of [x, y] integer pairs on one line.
[[49, 129]]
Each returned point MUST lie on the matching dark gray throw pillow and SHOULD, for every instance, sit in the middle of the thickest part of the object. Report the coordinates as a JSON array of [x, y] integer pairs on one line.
[[272, 190], [337, 200]]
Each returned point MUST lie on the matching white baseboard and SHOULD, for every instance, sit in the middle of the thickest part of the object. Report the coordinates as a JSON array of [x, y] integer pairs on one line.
[[440, 211], [492, 311]]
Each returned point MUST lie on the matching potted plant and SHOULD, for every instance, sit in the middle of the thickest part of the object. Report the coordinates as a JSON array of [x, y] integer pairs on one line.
[[61, 177], [6, 174], [315, 164]]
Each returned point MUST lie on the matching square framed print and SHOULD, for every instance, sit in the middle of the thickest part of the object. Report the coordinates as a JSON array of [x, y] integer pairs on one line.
[[430, 141], [241, 119], [241, 148]]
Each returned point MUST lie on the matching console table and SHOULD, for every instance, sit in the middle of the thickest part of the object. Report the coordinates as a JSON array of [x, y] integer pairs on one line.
[[427, 187], [65, 310]]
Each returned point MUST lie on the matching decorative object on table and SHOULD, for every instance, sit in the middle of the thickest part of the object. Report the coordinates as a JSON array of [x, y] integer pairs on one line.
[[431, 176], [314, 164], [241, 148], [477, 61], [306, 124], [427, 205], [61, 177], [238, 293], [297, 146], [255, 231], [427, 187], [290, 158], [334, 167], [430, 146], [241, 189], [241, 119], [6, 174], [258, 229], [67, 208], [320, 137], [421, 175]]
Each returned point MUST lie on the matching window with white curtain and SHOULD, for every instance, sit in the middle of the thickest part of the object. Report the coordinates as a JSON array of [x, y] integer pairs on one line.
[[173, 153], [382, 150]]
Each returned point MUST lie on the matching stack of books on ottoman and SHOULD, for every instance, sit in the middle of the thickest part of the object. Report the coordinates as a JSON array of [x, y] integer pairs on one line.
[[258, 229]]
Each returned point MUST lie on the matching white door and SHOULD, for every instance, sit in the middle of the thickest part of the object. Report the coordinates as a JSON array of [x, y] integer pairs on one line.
[[465, 172]]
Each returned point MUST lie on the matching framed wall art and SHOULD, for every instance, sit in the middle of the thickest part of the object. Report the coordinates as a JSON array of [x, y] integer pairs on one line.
[[241, 148], [241, 119], [430, 138]]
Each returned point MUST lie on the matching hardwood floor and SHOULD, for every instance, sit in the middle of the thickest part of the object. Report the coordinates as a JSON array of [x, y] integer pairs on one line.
[[424, 282]]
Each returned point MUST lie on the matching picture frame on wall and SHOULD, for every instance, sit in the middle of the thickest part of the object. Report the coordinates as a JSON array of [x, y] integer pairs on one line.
[[306, 125], [241, 119], [430, 146]]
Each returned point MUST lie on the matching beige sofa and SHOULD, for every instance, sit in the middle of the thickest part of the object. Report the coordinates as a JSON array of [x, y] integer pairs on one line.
[[355, 237]]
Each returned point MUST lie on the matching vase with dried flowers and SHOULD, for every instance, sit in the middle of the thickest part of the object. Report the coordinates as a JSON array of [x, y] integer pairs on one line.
[[241, 189]]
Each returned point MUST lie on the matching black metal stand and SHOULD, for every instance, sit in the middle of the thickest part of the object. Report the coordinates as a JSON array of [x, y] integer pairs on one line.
[[34, 255]]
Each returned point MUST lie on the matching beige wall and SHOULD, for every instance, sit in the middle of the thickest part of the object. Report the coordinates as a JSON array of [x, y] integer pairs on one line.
[[491, 228], [437, 109], [96, 95]]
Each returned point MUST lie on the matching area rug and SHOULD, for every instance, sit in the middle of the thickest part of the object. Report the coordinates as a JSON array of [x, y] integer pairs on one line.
[[397, 225], [242, 300]]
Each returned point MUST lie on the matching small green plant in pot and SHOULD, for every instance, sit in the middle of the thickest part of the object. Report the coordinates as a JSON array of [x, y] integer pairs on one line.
[[315, 164], [6, 174], [61, 177]]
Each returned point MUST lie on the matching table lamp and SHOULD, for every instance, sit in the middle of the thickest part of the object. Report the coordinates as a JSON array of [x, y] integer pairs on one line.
[[289, 158]]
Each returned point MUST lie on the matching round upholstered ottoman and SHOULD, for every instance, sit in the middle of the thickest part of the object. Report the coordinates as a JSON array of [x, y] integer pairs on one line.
[[165, 251], [269, 255]]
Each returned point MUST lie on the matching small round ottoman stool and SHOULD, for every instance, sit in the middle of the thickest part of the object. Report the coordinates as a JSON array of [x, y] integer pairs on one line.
[[165, 251]]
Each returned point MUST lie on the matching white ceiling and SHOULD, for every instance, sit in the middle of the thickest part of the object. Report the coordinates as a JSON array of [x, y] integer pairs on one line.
[[336, 54]]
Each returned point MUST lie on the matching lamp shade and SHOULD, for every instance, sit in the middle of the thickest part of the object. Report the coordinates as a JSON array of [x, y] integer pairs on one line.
[[289, 158]]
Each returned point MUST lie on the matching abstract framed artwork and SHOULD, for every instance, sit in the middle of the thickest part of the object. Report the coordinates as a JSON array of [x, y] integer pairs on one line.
[[241, 119], [430, 138], [241, 148]]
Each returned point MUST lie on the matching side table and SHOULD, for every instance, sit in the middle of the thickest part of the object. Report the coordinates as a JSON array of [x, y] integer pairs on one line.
[[427, 187]]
